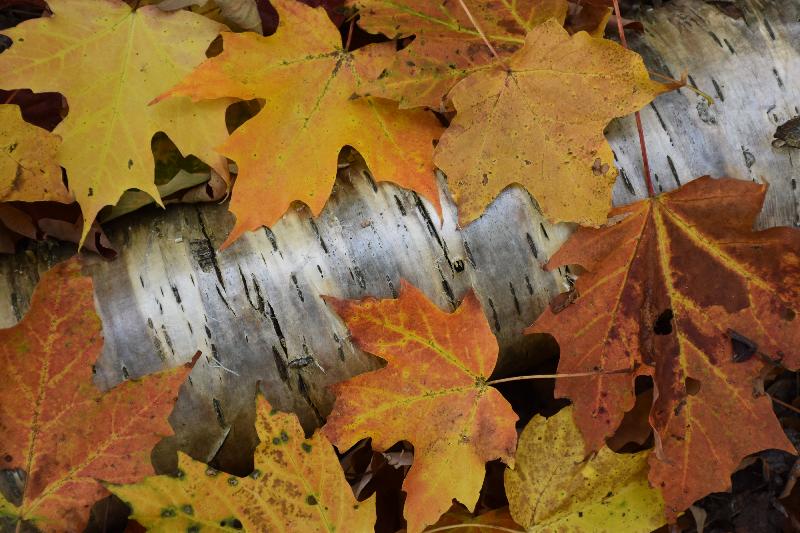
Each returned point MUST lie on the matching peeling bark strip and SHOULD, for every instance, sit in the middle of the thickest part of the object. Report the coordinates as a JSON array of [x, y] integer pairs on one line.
[[246, 298]]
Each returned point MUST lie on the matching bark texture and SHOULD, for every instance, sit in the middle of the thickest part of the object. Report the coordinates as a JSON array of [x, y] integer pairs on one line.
[[255, 312]]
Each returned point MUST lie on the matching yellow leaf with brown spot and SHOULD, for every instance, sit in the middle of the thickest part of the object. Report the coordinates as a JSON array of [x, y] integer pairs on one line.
[[433, 393], [664, 286], [288, 152], [537, 120], [29, 169], [555, 487], [55, 424], [297, 485], [109, 62], [446, 45]]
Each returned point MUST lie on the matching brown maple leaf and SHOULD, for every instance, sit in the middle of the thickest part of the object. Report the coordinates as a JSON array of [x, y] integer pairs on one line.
[[433, 393], [537, 120], [447, 47], [55, 424], [664, 285], [288, 152]]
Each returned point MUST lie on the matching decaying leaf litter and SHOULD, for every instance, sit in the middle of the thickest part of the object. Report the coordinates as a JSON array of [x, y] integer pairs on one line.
[[658, 316]]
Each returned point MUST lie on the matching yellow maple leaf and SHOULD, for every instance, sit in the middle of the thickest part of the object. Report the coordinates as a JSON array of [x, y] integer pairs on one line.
[[29, 171], [109, 62], [554, 487], [538, 119], [288, 152], [297, 485]]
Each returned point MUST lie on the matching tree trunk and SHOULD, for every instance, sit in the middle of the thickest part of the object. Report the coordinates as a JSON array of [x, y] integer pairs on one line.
[[255, 312]]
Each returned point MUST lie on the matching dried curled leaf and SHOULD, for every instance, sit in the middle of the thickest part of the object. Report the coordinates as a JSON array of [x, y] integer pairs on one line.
[[663, 287], [288, 152], [109, 62], [297, 485], [29, 170], [538, 121], [447, 47], [433, 393], [554, 487], [56, 426]]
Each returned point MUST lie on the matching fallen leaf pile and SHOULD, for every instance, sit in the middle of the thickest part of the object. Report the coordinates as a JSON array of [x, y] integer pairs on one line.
[[680, 314]]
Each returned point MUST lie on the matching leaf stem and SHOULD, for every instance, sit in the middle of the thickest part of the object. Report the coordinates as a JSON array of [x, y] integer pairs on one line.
[[11, 96], [784, 404], [645, 163], [478, 29], [349, 35], [474, 524], [553, 376], [682, 83]]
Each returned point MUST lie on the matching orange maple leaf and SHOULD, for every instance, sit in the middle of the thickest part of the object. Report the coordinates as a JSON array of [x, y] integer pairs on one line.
[[288, 152], [447, 47], [433, 393], [109, 62], [664, 285], [537, 120], [56, 425]]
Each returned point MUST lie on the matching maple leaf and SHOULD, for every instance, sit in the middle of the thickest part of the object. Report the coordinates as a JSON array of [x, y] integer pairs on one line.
[[29, 171], [664, 284], [433, 393], [554, 487], [55, 424], [297, 485], [538, 119], [109, 62], [289, 150], [447, 47]]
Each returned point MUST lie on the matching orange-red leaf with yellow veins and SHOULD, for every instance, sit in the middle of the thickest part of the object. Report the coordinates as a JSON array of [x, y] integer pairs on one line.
[[55, 424], [109, 62], [288, 152], [664, 284], [446, 46], [297, 486], [432, 393], [538, 121]]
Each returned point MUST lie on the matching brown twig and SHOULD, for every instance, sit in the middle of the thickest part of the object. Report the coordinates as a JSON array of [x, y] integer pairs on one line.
[[11, 96], [556, 376], [645, 163], [478, 29], [786, 405], [349, 35], [482, 526]]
